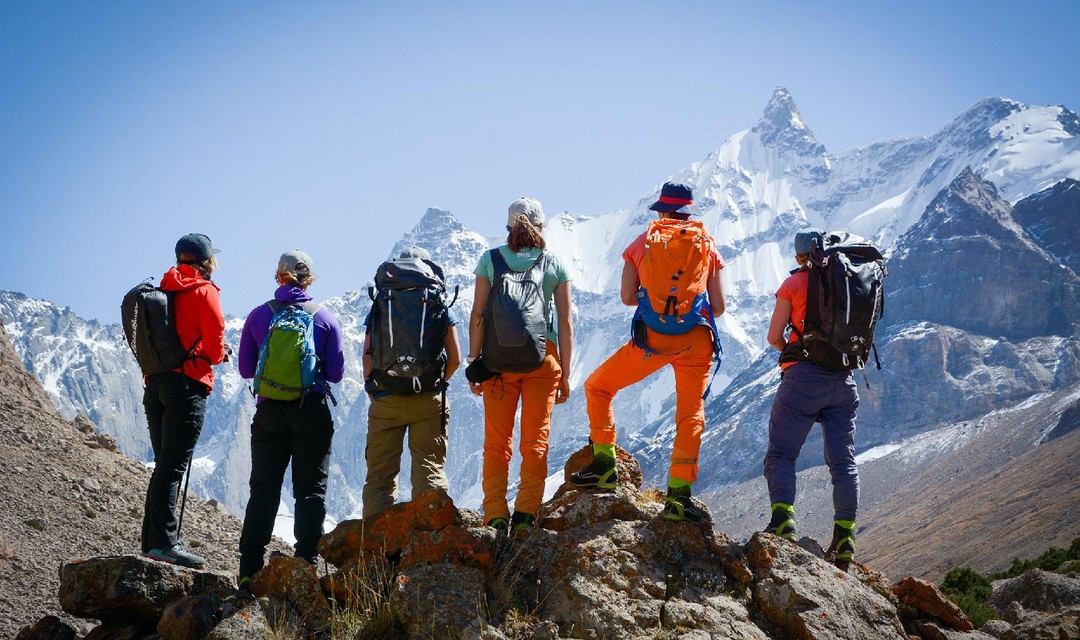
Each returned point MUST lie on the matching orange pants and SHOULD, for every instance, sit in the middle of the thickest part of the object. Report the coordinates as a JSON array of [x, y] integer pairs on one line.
[[536, 390], [691, 356]]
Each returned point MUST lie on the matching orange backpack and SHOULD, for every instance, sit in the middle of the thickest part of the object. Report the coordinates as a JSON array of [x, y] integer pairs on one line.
[[673, 275]]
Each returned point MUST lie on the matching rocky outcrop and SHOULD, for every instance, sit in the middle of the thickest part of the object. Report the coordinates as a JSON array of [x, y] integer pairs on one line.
[[1036, 590], [599, 565]]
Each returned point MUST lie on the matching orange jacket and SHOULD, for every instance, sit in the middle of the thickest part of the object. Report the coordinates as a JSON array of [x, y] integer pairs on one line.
[[199, 322]]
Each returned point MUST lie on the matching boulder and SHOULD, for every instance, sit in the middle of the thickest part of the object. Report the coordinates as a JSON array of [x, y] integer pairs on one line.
[[809, 599], [439, 600], [347, 542], [575, 507], [48, 628], [629, 470], [115, 631], [293, 583], [469, 547], [995, 628], [190, 618], [932, 631], [1036, 589], [1057, 626], [928, 599], [248, 623], [388, 532], [131, 589]]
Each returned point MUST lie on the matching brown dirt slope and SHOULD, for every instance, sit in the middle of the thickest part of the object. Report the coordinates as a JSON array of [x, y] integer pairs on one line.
[[985, 504], [61, 498]]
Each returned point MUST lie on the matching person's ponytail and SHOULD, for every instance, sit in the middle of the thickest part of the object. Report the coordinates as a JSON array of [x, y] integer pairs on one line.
[[524, 235]]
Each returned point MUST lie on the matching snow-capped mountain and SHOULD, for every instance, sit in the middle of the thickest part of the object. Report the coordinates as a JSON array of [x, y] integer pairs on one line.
[[753, 193]]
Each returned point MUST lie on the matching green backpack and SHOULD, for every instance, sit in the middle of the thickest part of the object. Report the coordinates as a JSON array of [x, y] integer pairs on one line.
[[287, 360]]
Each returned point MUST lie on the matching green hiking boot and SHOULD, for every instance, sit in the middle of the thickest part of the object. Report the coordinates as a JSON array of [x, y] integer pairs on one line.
[[842, 548], [679, 506], [521, 523], [783, 521], [601, 473], [500, 525]]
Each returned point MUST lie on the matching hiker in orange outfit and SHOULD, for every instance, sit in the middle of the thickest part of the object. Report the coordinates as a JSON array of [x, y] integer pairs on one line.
[[513, 355], [674, 325]]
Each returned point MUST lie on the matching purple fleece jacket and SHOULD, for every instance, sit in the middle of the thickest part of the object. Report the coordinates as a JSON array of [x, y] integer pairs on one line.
[[327, 338]]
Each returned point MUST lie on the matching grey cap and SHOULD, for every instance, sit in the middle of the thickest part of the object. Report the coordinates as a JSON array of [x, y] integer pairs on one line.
[[197, 245], [804, 239], [528, 207], [296, 262], [415, 252]]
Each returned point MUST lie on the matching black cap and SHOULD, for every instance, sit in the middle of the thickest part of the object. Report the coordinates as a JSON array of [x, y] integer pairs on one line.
[[195, 244]]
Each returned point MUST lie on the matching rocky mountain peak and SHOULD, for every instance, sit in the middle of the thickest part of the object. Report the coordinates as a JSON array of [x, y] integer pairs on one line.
[[1051, 217], [999, 279], [781, 126], [446, 239]]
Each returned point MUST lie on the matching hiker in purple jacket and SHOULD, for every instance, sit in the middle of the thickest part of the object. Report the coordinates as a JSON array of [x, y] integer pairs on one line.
[[300, 430]]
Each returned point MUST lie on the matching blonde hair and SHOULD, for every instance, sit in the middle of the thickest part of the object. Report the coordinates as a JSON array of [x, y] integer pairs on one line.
[[294, 279], [204, 267], [524, 234]]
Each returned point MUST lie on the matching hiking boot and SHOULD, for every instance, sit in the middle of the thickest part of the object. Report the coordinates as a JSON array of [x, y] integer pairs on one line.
[[177, 555], [500, 525], [783, 522], [842, 548], [679, 506], [601, 473], [521, 523], [244, 584]]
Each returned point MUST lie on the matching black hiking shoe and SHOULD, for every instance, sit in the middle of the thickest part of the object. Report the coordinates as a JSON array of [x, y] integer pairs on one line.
[[679, 506], [521, 523], [177, 555], [842, 548], [244, 584], [783, 522], [601, 473]]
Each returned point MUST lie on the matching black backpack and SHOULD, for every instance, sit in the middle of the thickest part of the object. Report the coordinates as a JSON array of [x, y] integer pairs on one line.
[[408, 325], [844, 301], [515, 331], [149, 320]]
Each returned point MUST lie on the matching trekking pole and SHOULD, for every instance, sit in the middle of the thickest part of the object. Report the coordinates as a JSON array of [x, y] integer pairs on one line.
[[183, 502]]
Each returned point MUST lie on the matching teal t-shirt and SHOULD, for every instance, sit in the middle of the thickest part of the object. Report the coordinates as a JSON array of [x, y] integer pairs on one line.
[[553, 275]]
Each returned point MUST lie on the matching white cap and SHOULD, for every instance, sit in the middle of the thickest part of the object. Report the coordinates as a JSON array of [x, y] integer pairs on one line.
[[528, 207]]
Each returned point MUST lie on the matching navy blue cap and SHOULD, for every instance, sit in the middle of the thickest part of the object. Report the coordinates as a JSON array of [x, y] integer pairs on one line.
[[673, 196], [804, 239], [195, 244]]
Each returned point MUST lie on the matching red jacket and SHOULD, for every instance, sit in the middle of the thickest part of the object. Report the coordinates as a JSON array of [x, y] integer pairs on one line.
[[199, 322]]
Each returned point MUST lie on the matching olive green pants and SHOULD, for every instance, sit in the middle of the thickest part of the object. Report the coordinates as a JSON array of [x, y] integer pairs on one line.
[[389, 417]]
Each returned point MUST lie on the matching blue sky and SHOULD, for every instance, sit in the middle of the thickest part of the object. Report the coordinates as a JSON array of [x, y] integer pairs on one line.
[[332, 126]]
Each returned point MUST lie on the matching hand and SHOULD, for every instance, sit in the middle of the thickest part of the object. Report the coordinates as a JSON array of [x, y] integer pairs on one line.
[[476, 388], [562, 393]]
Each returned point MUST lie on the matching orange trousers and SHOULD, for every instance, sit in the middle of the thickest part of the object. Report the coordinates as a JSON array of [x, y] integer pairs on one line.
[[691, 356], [536, 391]]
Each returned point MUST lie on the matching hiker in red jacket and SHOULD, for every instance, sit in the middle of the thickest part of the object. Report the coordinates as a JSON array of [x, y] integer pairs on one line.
[[175, 401]]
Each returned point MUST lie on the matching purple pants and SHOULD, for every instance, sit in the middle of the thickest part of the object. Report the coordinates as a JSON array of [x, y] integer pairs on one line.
[[808, 394]]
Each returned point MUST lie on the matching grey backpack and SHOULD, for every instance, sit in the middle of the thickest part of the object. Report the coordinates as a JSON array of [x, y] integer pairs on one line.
[[515, 331]]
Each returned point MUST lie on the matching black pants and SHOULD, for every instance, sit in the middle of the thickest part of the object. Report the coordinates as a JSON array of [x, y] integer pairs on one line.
[[282, 430], [175, 406]]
